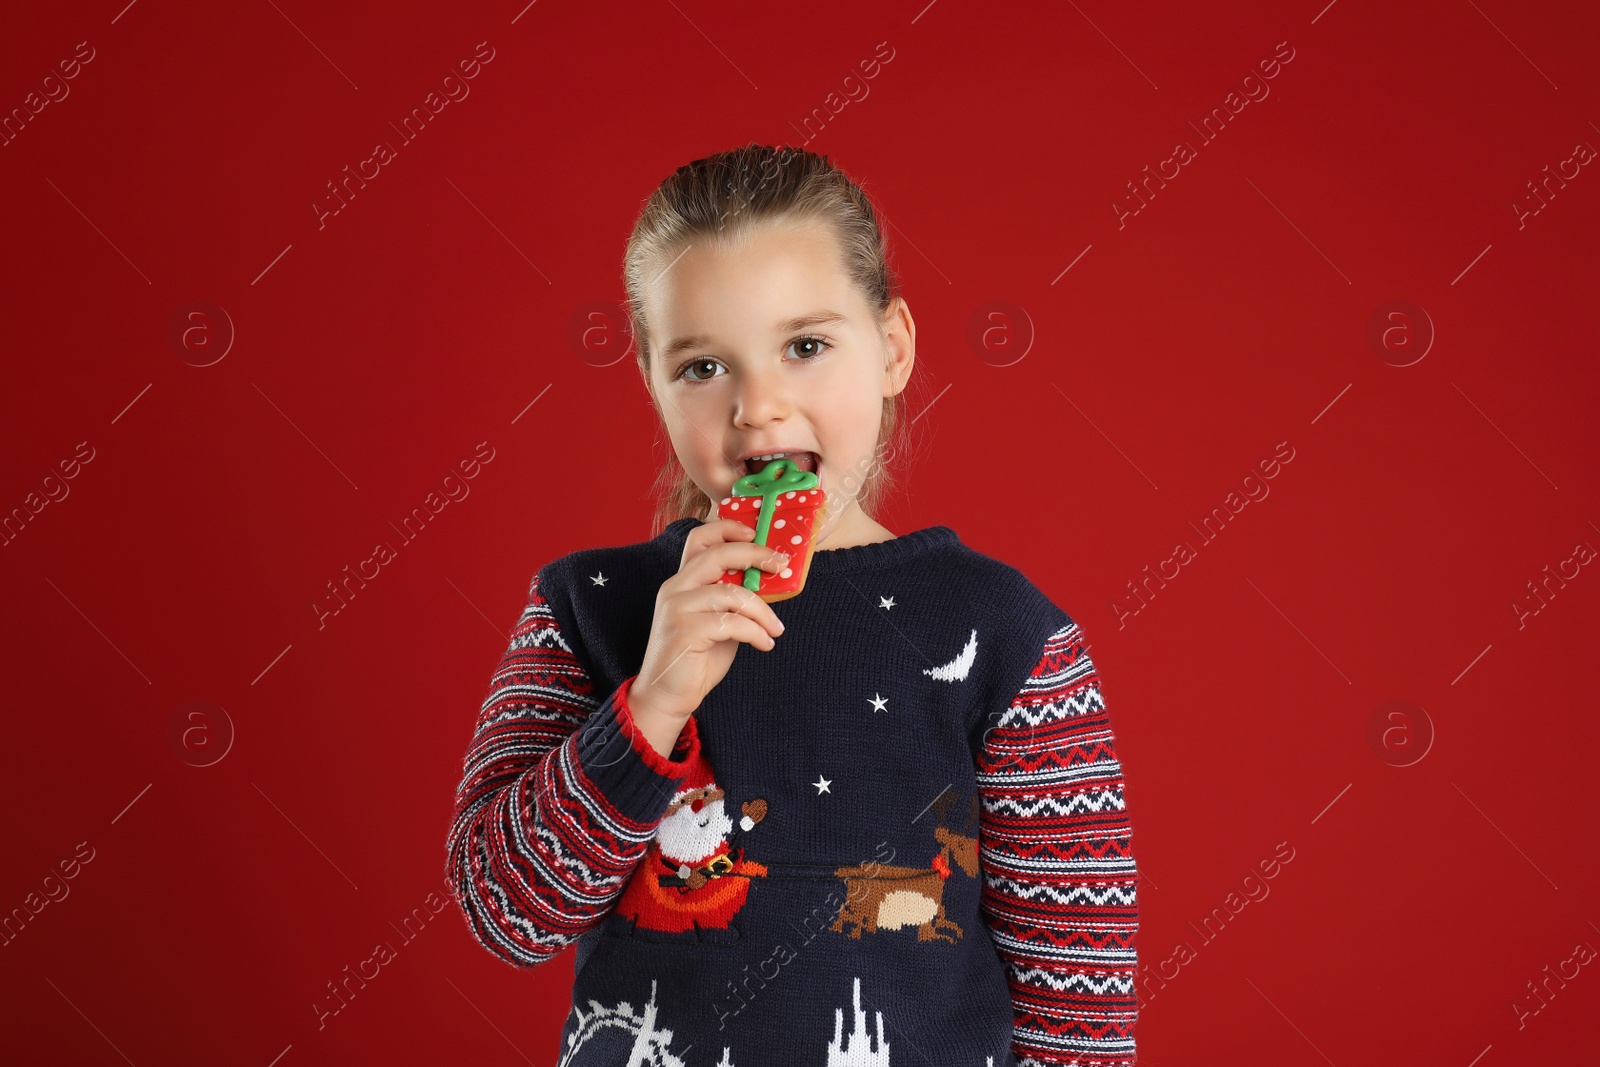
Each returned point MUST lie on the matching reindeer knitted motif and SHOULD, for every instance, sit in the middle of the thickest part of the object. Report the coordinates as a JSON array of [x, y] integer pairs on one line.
[[896, 898]]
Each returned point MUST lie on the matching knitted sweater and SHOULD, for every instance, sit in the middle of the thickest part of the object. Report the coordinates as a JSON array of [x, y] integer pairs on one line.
[[902, 829]]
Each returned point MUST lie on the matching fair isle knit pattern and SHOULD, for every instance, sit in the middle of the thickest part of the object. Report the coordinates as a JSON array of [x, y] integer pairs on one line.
[[537, 849], [1059, 877], [899, 838]]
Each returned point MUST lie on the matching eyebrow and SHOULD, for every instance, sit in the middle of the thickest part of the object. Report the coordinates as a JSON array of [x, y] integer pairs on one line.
[[803, 322]]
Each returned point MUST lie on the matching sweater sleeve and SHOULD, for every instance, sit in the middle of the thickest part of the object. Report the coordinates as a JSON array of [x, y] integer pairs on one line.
[[559, 797], [1058, 872]]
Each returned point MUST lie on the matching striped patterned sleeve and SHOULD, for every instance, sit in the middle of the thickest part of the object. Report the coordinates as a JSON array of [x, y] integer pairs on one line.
[[1058, 871], [559, 797]]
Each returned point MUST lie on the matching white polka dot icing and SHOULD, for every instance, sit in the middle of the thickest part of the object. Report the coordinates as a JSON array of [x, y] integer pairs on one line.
[[779, 523], [786, 573]]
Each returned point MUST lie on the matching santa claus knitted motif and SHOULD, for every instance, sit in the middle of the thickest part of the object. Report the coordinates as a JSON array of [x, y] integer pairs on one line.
[[694, 875]]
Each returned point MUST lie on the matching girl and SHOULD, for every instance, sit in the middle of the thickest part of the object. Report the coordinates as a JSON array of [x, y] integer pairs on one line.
[[893, 832]]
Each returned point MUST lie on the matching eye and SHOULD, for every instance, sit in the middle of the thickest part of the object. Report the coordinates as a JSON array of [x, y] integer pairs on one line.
[[817, 345], [809, 346], [683, 372]]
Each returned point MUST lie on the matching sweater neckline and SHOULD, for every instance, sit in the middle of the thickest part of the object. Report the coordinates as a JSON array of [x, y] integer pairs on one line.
[[896, 551]]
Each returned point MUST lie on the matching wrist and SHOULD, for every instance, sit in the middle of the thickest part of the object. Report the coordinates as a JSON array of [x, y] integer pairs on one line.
[[644, 705], [656, 730]]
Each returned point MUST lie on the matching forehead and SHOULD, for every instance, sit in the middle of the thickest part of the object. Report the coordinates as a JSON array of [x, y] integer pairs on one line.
[[757, 277]]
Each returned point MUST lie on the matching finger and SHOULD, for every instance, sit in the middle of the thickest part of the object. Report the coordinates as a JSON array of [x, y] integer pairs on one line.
[[718, 560], [733, 626], [715, 532], [724, 597]]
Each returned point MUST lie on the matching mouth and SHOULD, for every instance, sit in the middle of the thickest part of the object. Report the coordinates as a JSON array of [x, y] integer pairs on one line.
[[806, 461]]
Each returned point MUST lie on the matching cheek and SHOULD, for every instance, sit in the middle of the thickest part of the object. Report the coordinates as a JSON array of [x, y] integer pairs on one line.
[[858, 418], [690, 419], [842, 398], [698, 454], [693, 449]]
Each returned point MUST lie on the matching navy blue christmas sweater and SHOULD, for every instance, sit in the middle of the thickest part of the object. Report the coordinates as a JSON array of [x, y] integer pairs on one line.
[[897, 838]]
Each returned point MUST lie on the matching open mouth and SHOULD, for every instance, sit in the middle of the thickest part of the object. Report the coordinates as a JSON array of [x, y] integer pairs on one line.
[[806, 461]]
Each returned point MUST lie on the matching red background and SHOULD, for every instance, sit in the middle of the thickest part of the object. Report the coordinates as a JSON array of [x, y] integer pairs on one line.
[[371, 355]]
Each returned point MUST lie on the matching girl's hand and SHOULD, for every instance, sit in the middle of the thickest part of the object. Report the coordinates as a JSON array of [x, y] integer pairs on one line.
[[700, 621]]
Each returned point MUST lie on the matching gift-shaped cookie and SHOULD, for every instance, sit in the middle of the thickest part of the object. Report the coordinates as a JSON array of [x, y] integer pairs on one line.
[[781, 503]]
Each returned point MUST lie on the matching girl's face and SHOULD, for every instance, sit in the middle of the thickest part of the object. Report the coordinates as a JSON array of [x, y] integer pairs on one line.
[[763, 345]]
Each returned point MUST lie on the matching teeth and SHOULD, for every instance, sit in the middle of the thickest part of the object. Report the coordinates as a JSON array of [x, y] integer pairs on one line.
[[756, 463]]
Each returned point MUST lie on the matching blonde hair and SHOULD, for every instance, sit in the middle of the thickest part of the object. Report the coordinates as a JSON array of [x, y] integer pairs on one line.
[[723, 197]]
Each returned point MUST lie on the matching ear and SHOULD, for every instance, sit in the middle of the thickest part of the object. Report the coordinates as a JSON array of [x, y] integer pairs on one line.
[[900, 346]]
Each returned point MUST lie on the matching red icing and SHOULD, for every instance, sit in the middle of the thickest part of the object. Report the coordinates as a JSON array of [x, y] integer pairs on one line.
[[798, 511]]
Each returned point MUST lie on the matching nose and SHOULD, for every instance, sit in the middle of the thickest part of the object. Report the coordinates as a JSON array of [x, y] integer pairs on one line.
[[762, 397]]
